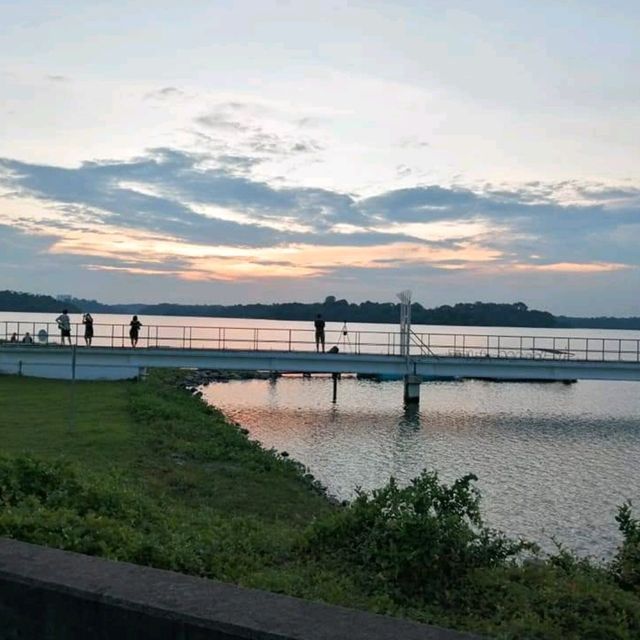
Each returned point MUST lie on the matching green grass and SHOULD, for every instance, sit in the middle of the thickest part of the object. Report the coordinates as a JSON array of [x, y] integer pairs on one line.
[[156, 433], [190, 452], [149, 474], [36, 417]]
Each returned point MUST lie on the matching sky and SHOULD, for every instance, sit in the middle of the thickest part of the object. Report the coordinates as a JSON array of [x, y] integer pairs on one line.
[[264, 151]]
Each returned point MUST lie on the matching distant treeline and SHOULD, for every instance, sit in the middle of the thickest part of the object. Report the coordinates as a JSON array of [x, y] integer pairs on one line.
[[484, 314], [30, 302], [334, 310], [604, 322]]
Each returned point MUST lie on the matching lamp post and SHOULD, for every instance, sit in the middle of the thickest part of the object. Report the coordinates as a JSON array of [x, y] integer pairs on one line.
[[411, 380]]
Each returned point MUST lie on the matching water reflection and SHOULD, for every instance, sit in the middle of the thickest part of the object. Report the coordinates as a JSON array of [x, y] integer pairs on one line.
[[552, 459]]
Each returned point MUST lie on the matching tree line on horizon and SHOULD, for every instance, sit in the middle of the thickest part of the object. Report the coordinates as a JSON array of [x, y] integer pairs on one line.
[[515, 314]]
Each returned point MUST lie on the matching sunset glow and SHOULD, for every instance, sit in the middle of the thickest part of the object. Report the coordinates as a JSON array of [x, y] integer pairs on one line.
[[218, 172]]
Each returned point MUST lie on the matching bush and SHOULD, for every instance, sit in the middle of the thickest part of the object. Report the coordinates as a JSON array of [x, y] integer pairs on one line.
[[56, 504], [419, 541], [626, 563], [58, 484]]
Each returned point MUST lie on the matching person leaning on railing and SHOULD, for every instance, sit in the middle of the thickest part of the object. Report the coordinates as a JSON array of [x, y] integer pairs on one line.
[[87, 321], [134, 331], [64, 324]]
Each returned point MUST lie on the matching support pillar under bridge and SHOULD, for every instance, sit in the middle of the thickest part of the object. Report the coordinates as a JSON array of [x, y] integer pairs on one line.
[[412, 388]]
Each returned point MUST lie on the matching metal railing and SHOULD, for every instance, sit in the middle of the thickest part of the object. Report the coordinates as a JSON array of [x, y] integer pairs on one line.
[[423, 344]]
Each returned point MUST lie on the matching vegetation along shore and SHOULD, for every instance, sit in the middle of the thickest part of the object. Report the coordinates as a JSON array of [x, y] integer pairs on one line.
[[148, 473], [479, 314]]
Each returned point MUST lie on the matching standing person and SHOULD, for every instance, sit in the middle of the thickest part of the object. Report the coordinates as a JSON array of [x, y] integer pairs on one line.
[[27, 339], [14, 337], [64, 324], [135, 325], [319, 325], [87, 321]]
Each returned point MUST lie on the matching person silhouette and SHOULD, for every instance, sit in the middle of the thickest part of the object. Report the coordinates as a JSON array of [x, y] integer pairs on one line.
[[134, 331], [64, 324], [87, 321], [319, 323]]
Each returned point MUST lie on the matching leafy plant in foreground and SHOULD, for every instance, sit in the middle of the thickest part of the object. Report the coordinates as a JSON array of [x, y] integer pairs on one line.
[[626, 564], [419, 540]]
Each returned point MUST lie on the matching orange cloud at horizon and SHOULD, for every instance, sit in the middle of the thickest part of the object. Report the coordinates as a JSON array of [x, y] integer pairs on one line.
[[198, 261], [573, 267], [143, 253]]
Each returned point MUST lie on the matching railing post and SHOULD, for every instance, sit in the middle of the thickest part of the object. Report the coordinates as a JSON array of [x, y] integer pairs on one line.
[[619, 349]]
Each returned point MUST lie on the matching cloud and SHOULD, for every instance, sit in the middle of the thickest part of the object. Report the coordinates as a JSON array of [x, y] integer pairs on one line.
[[15, 244], [164, 93], [255, 129], [221, 121], [198, 217], [413, 143], [572, 267]]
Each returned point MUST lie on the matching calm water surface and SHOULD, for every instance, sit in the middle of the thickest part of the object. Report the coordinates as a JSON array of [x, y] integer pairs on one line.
[[552, 459]]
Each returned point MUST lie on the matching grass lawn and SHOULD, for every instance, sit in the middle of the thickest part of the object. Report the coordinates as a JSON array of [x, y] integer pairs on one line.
[[157, 435], [36, 417]]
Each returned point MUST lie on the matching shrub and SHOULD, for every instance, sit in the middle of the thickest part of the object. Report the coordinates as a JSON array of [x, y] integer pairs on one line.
[[419, 540], [56, 504], [626, 563]]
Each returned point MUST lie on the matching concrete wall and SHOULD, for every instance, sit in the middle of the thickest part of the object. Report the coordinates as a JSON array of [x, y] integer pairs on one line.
[[64, 372], [47, 594]]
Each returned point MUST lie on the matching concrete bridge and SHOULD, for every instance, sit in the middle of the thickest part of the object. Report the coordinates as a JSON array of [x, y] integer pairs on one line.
[[379, 353]]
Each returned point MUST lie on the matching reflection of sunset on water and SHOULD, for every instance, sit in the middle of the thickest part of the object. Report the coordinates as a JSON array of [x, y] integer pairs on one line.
[[552, 459]]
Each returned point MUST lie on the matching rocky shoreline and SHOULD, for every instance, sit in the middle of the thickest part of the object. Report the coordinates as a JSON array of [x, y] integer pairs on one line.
[[201, 377]]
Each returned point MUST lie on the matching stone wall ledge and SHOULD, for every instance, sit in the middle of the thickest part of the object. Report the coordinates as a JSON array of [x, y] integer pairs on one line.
[[51, 594]]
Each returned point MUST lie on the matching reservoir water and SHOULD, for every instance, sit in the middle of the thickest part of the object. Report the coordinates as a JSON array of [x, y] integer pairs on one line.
[[553, 460]]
